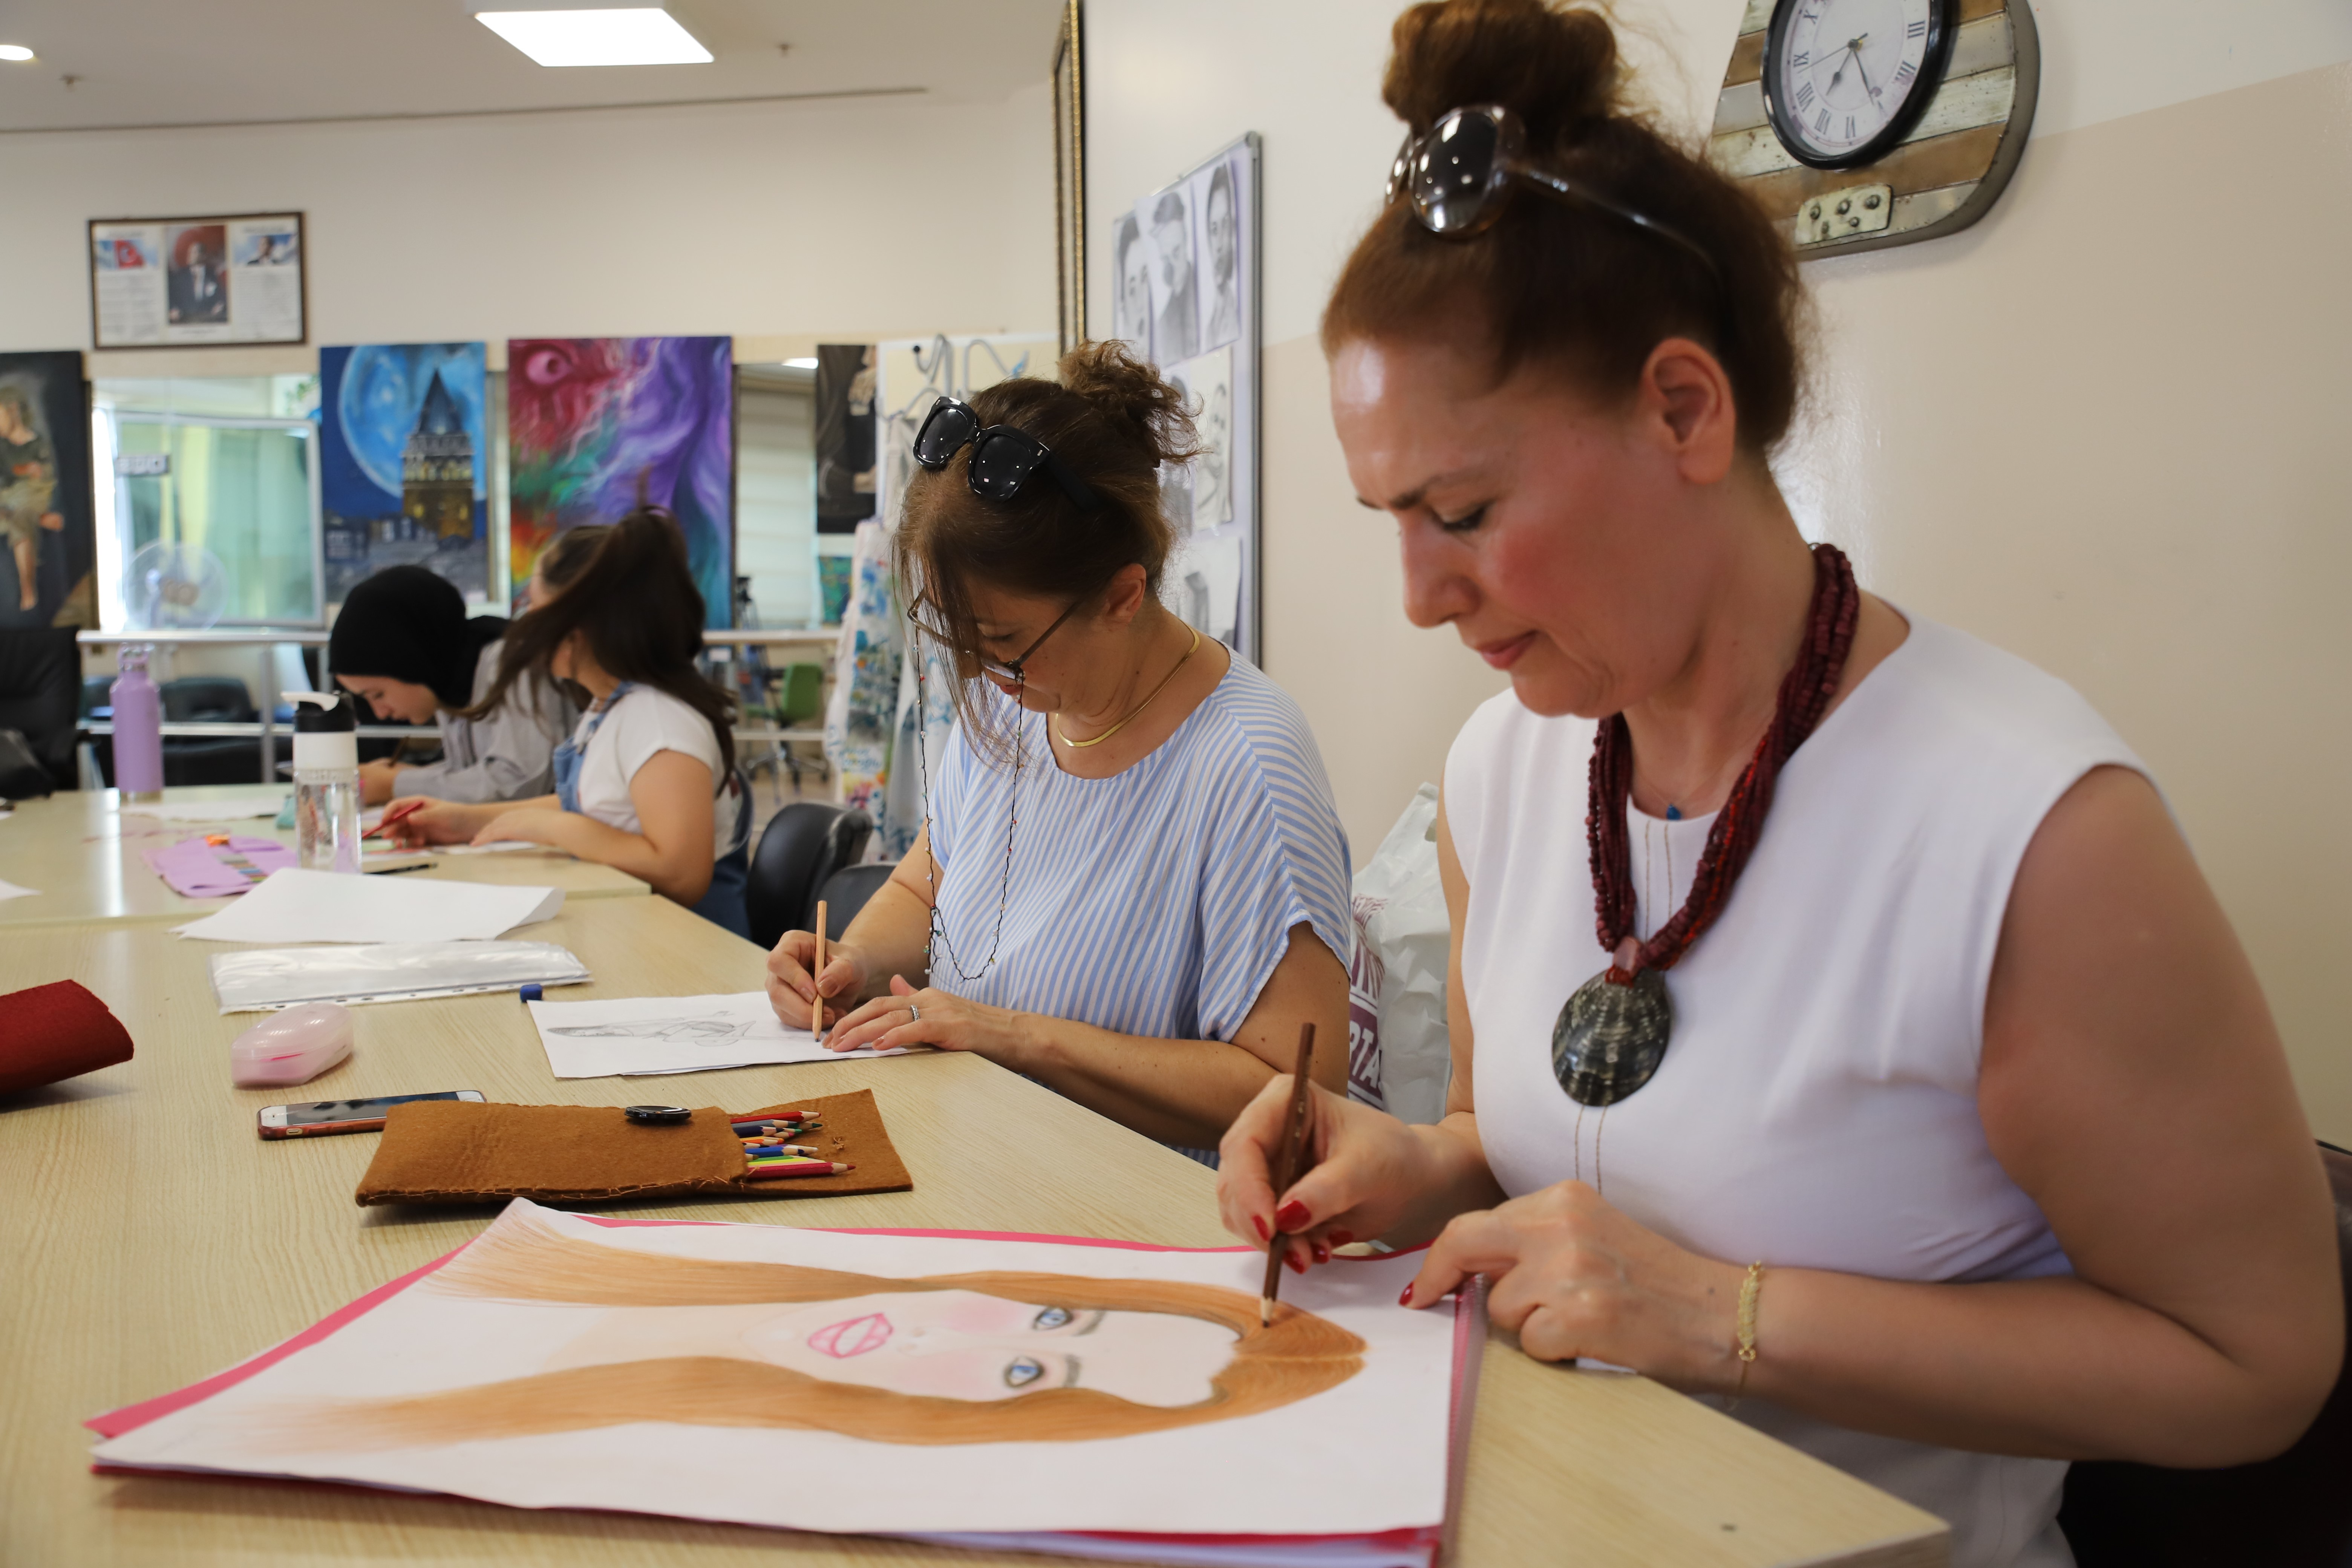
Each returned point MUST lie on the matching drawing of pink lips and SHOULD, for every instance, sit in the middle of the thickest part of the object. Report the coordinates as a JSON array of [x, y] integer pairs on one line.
[[852, 1336]]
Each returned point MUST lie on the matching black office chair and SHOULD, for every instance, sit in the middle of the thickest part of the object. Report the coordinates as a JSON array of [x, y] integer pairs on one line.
[[2293, 1511], [845, 892], [805, 843], [209, 758], [40, 691]]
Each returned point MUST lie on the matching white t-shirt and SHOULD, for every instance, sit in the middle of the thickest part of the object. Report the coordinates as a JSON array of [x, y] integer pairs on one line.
[[1817, 1106], [642, 723]]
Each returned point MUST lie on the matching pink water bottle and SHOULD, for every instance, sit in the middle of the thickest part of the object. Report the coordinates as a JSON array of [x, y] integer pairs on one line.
[[138, 727]]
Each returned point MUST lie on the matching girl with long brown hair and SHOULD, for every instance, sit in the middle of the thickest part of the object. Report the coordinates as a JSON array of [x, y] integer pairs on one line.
[[647, 783]]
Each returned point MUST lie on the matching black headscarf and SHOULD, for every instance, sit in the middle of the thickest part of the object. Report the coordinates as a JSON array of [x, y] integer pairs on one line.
[[411, 625]]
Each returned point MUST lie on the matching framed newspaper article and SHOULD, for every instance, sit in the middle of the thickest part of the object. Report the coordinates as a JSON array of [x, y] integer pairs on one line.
[[181, 282]]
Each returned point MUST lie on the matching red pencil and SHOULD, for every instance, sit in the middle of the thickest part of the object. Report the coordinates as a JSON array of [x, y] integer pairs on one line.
[[402, 815], [795, 1168]]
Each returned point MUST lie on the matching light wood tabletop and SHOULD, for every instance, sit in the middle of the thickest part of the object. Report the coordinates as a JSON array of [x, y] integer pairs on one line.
[[147, 1238], [80, 854]]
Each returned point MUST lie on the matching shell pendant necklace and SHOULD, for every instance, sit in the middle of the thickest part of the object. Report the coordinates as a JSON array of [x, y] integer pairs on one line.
[[1061, 736], [1613, 1033]]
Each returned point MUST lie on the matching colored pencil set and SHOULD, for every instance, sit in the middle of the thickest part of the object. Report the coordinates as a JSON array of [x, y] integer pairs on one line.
[[768, 1155]]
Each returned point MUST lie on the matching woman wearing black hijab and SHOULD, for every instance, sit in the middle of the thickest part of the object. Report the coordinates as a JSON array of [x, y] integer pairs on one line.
[[404, 642]]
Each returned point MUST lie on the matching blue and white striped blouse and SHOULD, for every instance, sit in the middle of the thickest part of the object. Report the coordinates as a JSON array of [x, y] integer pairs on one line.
[[1156, 902]]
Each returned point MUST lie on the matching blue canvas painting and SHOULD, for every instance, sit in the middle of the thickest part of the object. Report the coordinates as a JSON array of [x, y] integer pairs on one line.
[[404, 462]]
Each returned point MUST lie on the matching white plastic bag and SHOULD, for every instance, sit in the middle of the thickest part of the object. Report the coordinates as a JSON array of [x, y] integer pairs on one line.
[[1398, 1056]]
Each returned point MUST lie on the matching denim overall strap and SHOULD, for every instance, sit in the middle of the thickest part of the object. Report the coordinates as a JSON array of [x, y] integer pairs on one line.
[[569, 753]]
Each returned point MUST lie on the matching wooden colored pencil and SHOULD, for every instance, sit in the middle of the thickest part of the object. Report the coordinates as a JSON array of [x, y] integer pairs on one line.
[[816, 1013], [1290, 1164], [812, 1168]]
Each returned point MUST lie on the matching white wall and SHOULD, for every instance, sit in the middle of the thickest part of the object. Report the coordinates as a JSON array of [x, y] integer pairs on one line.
[[2101, 429], [796, 221]]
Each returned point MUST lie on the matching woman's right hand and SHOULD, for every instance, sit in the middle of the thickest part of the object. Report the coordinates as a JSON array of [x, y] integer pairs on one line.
[[795, 993], [1369, 1171], [434, 822]]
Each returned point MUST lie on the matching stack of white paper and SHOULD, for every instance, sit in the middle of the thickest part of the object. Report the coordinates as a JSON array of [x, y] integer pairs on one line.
[[201, 812], [296, 906], [260, 979], [646, 1035]]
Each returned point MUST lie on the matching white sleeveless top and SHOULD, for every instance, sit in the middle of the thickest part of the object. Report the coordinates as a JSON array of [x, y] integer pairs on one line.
[[1817, 1105]]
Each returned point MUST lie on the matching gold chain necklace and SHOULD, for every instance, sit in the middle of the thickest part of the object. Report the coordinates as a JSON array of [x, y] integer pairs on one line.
[[1114, 729]]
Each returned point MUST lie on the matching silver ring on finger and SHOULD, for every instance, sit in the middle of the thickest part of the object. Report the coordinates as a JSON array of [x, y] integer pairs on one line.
[[914, 1013]]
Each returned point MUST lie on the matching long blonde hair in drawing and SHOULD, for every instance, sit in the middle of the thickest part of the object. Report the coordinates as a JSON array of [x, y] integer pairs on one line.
[[1298, 1355]]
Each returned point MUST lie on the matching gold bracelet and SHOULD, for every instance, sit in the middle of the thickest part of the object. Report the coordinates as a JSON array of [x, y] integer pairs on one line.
[[1749, 1288]]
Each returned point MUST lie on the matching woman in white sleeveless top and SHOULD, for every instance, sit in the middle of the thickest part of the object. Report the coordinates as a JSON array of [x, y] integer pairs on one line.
[[1964, 1052]]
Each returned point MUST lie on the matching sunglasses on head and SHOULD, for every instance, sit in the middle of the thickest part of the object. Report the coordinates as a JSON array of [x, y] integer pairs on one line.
[[1003, 458], [1459, 173]]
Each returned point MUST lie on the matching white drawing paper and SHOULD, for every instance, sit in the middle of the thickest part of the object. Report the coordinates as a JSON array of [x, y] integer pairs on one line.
[[640, 1036], [256, 980], [299, 906], [200, 812], [10, 890], [904, 1384]]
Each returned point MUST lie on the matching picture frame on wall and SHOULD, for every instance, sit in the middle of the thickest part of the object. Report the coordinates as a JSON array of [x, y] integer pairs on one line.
[[1185, 289], [187, 282], [1070, 176]]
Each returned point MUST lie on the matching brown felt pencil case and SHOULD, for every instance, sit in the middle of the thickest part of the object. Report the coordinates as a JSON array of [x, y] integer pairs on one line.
[[446, 1150]]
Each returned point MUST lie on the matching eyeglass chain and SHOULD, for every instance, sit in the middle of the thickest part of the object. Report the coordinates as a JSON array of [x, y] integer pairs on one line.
[[937, 939]]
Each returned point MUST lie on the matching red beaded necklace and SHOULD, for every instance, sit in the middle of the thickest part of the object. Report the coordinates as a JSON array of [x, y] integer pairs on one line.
[[1613, 1033]]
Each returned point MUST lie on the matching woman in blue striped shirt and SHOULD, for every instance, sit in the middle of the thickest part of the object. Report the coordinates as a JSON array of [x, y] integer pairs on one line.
[[1133, 883]]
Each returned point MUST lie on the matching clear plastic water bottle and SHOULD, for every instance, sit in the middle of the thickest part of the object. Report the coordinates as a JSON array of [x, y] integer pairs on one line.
[[326, 781], [138, 726]]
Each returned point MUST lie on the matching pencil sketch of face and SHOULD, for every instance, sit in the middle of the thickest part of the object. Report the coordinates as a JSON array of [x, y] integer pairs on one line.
[[1224, 236], [941, 1344], [1172, 234], [1214, 500], [1133, 301], [718, 1029]]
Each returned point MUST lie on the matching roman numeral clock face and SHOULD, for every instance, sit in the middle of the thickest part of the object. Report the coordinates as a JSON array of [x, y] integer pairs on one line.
[[1846, 80]]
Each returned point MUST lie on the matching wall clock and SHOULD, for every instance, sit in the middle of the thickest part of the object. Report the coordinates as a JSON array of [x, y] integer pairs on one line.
[[1867, 123]]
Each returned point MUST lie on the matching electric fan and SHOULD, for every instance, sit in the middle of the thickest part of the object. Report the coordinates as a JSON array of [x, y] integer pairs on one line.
[[174, 587]]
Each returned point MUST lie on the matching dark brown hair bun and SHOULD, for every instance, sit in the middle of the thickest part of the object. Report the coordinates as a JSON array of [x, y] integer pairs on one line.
[[1563, 282]]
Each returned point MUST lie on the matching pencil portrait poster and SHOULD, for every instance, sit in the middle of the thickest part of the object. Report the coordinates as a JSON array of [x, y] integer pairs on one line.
[[185, 282], [46, 502], [917, 1384], [596, 424], [405, 470], [1184, 295]]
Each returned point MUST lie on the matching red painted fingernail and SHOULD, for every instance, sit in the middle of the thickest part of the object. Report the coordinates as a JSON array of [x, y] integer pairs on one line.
[[1322, 1253], [1263, 1234], [1295, 1266], [1406, 1300], [1343, 1238], [1291, 1215]]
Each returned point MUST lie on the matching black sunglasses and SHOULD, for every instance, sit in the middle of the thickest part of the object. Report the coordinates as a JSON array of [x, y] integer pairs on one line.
[[1459, 173], [1003, 457]]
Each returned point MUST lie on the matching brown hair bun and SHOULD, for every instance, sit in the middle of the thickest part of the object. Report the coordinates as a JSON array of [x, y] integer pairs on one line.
[[1132, 394], [1563, 282]]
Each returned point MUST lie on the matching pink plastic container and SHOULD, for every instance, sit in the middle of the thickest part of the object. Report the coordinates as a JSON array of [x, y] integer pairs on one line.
[[292, 1046]]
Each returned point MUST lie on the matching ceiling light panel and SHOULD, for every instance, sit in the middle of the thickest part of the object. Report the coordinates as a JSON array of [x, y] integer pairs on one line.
[[15, 52], [646, 36]]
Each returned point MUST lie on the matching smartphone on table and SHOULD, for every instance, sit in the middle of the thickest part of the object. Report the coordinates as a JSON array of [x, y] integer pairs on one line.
[[323, 1116]]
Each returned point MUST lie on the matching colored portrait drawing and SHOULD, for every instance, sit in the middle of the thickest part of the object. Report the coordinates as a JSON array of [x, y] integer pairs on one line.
[[598, 424], [815, 1379], [987, 1357]]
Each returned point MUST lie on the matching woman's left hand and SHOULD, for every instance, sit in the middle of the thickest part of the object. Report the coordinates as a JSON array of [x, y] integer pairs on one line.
[[1574, 1275], [534, 824], [908, 1017]]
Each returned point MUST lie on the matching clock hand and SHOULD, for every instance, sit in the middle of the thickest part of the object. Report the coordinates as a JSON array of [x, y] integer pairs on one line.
[[1866, 86]]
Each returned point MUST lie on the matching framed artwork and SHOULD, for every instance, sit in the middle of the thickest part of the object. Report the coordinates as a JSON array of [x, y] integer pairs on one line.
[[1070, 176], [45, 496], [1186, 296], [184, 282], [405, 463], [595, 425]]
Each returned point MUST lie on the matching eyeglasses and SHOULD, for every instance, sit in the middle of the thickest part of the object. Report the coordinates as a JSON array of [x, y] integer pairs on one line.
[[1003, 457], [1458, 173], [1009, 670]]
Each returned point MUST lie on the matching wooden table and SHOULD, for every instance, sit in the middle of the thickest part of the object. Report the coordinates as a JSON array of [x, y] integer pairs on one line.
[[126, 1274], [82, 855]]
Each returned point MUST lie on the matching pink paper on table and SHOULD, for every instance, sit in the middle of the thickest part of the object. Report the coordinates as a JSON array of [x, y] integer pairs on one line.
[[195, 869]]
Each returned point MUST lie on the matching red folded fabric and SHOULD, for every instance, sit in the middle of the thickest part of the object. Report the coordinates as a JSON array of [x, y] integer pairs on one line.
[[57, 1031]]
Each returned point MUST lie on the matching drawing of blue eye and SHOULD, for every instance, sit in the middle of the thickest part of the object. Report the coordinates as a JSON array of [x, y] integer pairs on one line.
[[1052, 1318], [1023, 1371]]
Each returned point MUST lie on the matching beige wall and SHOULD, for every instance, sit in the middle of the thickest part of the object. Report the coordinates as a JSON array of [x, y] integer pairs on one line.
[[2101, 429]]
